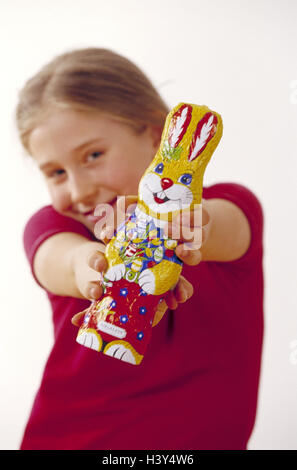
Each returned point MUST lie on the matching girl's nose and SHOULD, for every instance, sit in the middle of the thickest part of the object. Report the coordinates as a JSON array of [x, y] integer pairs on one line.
[[81, 190], [166, 183]]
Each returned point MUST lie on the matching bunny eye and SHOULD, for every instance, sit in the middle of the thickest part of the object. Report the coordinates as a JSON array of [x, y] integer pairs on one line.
[[185, 179], [159, 168]]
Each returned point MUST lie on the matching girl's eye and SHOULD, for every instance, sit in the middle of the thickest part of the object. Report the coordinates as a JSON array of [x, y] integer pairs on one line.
[[56, 173], [185, 179], [159, 168], [94, 156]]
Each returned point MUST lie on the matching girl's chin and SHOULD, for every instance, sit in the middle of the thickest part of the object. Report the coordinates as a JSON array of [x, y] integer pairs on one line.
[[90, 220], [87, 221], [90, 225]]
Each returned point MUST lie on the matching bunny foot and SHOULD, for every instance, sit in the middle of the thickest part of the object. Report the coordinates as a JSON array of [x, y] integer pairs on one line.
[[90, 339], [115, 273], [123, 351], [147, 281]]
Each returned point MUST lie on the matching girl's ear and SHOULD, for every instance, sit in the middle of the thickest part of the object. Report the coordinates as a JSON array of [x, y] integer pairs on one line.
[[155, 133]]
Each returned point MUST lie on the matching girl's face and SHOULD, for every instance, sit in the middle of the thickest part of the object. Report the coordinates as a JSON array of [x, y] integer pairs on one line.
[[89, 159]]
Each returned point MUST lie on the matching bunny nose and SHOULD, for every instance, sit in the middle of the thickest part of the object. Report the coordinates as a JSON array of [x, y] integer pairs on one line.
[[166, 183]]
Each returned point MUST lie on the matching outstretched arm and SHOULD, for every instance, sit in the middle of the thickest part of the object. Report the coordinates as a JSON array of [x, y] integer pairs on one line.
[[62, 265], [229, 234], [226, 234]]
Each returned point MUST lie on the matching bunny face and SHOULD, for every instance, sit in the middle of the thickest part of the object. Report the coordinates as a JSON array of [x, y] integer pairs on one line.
[[167, 188], [173, 181]]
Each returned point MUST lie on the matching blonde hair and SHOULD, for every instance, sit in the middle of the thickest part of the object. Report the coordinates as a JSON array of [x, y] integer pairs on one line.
[[91, 79]]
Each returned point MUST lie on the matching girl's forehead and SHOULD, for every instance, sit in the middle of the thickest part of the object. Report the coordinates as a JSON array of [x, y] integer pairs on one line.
[[64, 131], [67, 119], [56, 135], [69, 128], [55, 117]]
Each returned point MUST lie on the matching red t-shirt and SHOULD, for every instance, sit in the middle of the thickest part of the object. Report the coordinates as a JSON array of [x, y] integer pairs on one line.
[[198, 383]]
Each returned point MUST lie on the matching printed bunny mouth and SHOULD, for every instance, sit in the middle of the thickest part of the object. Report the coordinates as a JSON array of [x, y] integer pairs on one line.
[[177, 197], [160, 197]]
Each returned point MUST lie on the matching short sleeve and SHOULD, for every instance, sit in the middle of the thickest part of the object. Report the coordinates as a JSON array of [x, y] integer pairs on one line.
[[45, 223], [249, 203]]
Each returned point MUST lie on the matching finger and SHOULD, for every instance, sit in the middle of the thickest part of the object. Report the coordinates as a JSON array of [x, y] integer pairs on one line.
[[196, 217], [97, 261], [183, 290], [106, 234], [78, 319], [189, 226], [170, 300], [184, 233], [93, 290], [161, 310], [188, 254]]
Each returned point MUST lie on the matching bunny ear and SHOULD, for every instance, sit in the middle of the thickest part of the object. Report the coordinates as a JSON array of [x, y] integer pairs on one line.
[[179, 124], [205, 130]]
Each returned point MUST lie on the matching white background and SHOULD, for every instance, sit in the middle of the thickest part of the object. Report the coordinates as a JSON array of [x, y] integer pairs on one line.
[[237, 56]]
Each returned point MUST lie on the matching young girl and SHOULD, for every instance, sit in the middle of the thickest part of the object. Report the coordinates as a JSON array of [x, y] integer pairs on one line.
[[92, 122]]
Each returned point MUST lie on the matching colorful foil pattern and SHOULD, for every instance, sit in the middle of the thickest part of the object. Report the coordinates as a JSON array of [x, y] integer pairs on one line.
[[142, 264]]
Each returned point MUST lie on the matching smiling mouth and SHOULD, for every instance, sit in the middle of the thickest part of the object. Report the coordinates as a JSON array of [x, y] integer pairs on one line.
[[90, 214], [160, 197]]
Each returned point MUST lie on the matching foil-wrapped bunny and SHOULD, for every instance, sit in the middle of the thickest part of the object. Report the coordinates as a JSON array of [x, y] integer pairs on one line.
[[142, 264]]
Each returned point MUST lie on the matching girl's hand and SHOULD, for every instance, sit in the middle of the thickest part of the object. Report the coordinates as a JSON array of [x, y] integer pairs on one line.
[[189, 252], [181, 293], [192, 234], [89, 264], [97, 262], [184, 289], [88, 261]]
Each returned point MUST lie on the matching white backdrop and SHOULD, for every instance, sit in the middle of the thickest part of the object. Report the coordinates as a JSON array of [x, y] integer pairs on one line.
[[237, 56]]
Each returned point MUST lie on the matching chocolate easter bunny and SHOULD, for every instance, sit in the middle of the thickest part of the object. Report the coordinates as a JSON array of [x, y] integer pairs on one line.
[[142, 264]]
